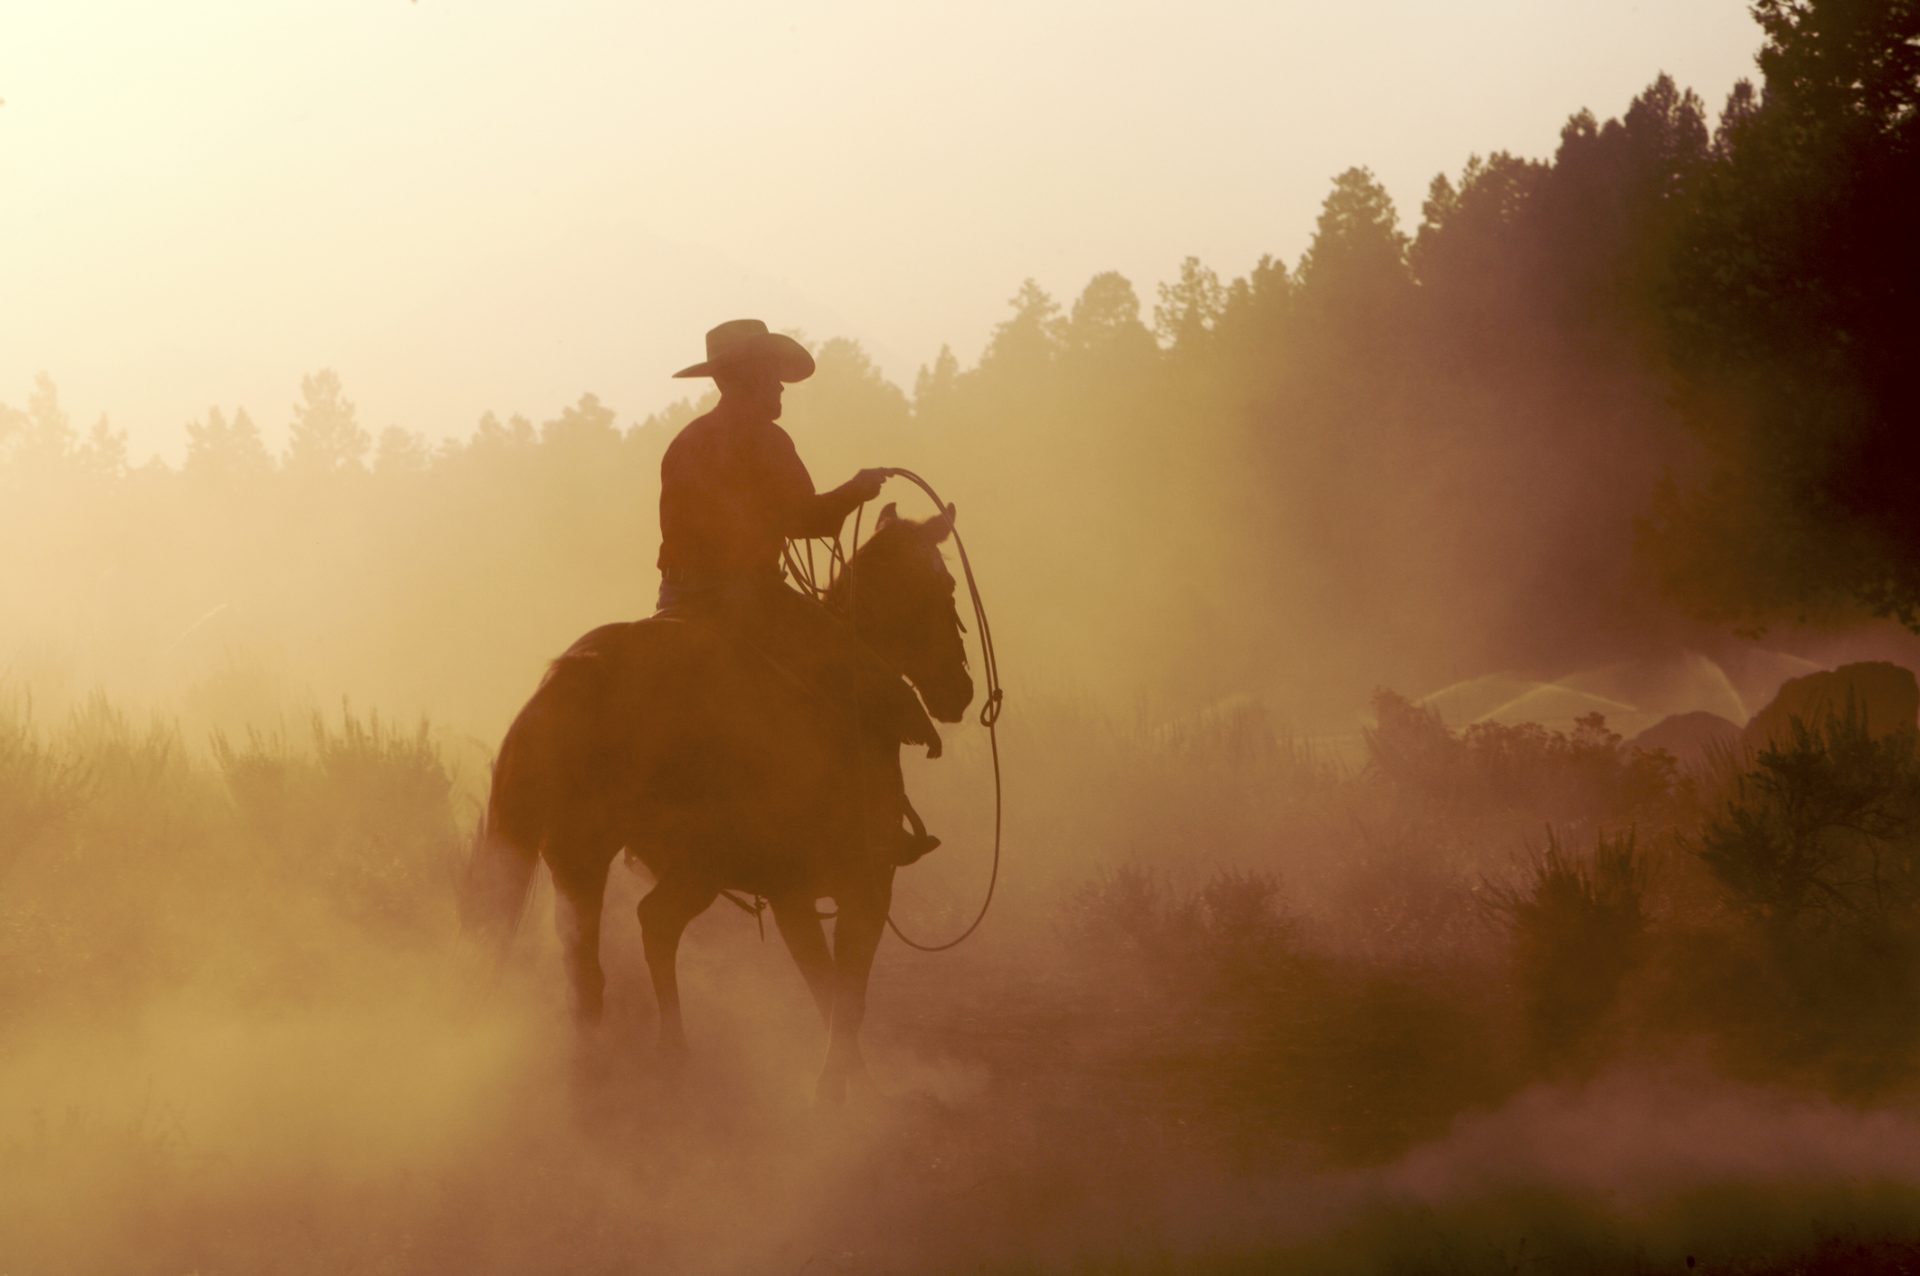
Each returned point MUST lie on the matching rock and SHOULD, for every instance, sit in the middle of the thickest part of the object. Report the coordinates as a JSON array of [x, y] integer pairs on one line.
[[1886, 693], [1690, 737]]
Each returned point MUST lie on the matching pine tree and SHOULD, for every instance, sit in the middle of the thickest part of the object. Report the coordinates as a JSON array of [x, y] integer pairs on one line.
[[326, 437]]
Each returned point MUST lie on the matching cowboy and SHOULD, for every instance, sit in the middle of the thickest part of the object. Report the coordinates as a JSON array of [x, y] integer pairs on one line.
[[733, 491]]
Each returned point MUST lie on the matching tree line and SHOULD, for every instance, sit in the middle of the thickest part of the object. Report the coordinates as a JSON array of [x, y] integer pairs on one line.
[[1657, 381]]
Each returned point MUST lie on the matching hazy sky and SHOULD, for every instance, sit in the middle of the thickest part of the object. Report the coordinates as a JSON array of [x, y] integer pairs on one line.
[[464, 205]]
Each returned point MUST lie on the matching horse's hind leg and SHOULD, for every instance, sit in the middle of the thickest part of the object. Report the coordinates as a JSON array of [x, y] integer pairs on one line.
[[664, 915], [800, 926], [579, 889]]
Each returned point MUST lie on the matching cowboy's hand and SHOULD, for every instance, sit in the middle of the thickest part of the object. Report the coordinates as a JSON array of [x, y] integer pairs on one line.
[[867, 483]]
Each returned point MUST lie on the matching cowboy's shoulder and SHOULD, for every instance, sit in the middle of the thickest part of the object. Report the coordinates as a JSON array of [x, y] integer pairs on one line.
[[694, 434], [706, 423]]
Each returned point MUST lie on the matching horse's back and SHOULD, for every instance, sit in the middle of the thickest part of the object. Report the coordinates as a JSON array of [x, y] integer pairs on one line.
[[692, 737], [615, 646], [677, 691]]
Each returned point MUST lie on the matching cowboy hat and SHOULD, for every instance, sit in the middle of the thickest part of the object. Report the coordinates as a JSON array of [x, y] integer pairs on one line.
[[745, 343]]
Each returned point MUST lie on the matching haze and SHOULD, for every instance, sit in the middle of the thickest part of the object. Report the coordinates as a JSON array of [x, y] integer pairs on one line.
[[471, 207], [1412, 855]]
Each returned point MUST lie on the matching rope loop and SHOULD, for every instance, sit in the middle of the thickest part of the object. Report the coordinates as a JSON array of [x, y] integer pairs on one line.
[[836, 563]]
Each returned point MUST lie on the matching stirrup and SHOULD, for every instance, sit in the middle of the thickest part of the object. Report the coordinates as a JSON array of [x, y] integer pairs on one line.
[[912, 846]]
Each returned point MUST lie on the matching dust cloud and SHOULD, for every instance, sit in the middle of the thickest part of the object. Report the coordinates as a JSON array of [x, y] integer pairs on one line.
[[1225, 1015], [1344, 926]]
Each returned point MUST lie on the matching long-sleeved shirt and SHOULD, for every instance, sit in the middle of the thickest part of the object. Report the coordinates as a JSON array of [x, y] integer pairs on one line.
[[732, 491]]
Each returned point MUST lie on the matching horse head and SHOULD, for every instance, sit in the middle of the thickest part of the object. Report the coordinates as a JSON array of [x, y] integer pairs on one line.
[[900, 597]]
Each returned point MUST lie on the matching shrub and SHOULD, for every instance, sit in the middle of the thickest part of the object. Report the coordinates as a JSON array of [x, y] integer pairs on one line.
[[367, 808], [1819, 851], [41, 786], [1583, 775], [1824, 830], [1229, 932], [1575, 925], [1409, 747]]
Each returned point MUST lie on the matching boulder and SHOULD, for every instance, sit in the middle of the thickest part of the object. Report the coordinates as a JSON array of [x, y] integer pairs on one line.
[[1690, 737], [1885, 693]]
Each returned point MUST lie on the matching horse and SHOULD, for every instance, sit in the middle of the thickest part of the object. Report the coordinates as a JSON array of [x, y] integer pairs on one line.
[[720, 769]]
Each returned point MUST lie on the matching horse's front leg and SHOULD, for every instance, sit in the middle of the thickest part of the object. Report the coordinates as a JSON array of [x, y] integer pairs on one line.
[[799, 923], [664, 915], [856, 937]]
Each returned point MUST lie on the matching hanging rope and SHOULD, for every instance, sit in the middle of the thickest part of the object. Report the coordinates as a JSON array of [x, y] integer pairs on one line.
[[757, 906], [989, 718], [989, 669]]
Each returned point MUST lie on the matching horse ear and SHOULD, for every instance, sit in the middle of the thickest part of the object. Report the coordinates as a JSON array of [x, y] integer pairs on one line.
[[941, 527], [887, 515]]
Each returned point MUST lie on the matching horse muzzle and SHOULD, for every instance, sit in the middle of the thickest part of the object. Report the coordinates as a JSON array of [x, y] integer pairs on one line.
[[947, 700]]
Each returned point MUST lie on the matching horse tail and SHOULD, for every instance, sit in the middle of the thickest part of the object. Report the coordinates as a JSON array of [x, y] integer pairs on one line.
[[506, 847], [537, 778]]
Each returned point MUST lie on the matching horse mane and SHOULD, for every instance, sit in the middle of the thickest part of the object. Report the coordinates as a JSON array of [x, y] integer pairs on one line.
[[884, 541]]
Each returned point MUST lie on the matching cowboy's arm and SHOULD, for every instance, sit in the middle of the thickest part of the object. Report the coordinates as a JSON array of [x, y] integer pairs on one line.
[[824, 513], [805, 512]]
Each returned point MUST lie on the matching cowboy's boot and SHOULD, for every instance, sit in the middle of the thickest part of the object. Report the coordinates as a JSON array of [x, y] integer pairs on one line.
[[886, 800], [917, 841]]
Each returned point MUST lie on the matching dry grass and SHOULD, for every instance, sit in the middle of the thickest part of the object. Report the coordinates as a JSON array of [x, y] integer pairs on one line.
[[244, 1038]]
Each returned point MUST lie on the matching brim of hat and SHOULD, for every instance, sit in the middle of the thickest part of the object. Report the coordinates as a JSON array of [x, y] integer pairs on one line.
[[784, 356]]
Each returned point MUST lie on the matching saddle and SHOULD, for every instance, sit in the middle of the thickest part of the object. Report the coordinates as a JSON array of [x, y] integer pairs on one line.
[[811, 649], [837, 674]]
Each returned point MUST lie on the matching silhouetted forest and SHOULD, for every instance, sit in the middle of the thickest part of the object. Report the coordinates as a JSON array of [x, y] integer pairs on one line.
[[1668, 364]]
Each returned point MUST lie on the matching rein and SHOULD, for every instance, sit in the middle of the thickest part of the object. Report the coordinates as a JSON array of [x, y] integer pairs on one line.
[[837, 561]]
